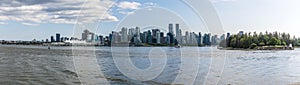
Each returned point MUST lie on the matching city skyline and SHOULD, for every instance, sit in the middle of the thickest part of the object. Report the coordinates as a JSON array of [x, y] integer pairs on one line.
[[137, 37]]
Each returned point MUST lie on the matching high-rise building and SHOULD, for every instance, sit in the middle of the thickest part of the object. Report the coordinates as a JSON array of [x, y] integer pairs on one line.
[[199, 39], [149, 37], [137, 32], [214, 40], [171, 28], [227, 39], [144, 37], [177, 30], [47, 40], [137, 37], [187, 38], [179, 37], [158, 37], [57, 37], [162, 38], [124, 35], [88, 36], [52, 39], [85, 34], [170, 38], [206, 39], [131, 33], [155, 31], [101, 39]]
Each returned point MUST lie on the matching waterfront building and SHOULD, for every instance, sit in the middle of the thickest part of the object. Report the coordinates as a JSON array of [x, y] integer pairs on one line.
[[124, 35], [180, 36], [47, 40], [144, 37], [57, 37], [214, 40], [206, 39], [85, 34], [131, 33], [171, 30], [170, 38], [177, 30], [52, 39], [156, 34], [199, 39], [110, 37], [187, 37], [101, 39], [191, 38], [137, 36], [88, 36], [149, 37], [158, 37], [114, 37]]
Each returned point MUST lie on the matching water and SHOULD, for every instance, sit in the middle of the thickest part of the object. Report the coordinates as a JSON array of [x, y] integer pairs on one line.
[[197, 65]]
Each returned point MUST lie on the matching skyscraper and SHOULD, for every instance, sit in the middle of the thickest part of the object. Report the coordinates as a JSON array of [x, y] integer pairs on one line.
[[158, 37], [149, 37], [177, 30], [171, 28], [124, 35], [137, 38], [57, 37], [199, 39], [187, 37], [131, 33], [52, 39], [85, 34]]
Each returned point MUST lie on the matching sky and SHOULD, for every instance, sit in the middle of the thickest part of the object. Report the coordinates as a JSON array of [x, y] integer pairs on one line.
[[40, 19]]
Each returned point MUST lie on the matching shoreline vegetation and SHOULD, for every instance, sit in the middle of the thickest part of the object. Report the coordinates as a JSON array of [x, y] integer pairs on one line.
[[266, 41]]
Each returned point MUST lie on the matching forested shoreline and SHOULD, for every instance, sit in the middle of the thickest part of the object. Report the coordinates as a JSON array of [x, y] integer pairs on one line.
[[254, 41]]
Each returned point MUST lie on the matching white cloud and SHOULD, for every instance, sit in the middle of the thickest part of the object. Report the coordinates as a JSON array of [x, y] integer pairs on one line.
[[29, 24], [3, 23], [150, 4], [129, 5], [56, 11]]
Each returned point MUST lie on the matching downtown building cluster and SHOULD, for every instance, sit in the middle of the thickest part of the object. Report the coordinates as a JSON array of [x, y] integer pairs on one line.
[[152, 37], [134, 37]]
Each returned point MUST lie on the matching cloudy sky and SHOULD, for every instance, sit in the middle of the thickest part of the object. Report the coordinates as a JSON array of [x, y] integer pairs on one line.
[[29, 19]]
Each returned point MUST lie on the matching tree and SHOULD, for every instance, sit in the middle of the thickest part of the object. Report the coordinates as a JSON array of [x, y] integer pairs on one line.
[[233, 43], [273, 41], [253, 45]]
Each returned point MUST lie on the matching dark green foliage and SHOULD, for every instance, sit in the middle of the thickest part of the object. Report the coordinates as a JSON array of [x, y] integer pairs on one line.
[[262, 39], [253, 45]]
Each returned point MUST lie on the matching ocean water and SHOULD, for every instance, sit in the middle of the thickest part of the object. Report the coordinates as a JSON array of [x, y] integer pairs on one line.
[[36, 65]]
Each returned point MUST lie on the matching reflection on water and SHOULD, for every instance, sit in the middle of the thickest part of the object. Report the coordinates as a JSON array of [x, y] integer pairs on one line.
[[37, 65]]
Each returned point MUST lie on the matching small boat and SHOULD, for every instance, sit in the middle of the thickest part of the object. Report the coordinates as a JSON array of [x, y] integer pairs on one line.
[[178, 46]]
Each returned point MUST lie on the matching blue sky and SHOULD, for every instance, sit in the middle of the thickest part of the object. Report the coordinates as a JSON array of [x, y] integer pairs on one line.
[[39, 19]]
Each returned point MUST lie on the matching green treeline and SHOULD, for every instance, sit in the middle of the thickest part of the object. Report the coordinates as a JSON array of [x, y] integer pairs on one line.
[[249, 40]]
